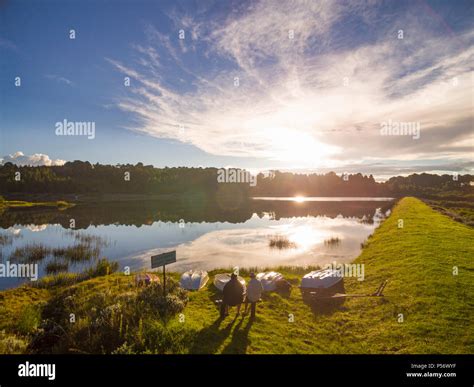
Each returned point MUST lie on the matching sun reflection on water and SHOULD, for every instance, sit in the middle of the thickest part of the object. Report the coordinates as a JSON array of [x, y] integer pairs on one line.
[[305, 237], [299, 199]]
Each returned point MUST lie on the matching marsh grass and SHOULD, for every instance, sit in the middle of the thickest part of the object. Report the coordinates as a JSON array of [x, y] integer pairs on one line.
[[86, 249], [56, 266], [332, 242], [30, 253], [80, 252], [6, 239], [281, 242], [88, 239]]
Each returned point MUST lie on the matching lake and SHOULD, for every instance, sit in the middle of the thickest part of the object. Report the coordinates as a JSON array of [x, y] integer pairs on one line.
[[204, 234]]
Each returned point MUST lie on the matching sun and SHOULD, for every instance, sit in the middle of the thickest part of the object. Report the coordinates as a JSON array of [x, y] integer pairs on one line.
[[298, 148]]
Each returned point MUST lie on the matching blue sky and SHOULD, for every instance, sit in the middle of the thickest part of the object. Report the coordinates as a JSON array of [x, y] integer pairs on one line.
[[265, 84]]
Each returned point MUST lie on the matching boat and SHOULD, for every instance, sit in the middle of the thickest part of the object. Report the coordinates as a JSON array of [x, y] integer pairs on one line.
[[322, 284], [142, 279], [220, 280], [194, 279], [270, 280]]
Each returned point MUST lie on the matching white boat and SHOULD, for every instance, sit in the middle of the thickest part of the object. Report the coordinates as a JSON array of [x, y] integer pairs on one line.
[[146, 279], [269, 280], [194, 279], [220, 280], [322, 283]]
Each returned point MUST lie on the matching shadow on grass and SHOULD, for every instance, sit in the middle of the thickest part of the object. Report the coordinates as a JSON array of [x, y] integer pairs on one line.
[[209, 338], [240, 338]]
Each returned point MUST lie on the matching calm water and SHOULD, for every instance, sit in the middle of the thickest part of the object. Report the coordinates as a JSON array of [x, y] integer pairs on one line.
[[204, 235]]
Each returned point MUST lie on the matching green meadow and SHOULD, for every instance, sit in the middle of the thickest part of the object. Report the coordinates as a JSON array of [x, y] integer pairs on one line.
[[428, 307]]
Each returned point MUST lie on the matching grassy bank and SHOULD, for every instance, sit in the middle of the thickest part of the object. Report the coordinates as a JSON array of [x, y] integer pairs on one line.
[[426, 308]]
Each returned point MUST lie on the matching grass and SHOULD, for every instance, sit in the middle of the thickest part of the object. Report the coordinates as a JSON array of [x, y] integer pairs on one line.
[[461, 210], [281, 242], [6, 239], [418, 261], [56, 266], [333, 241], [87, 248], [79, 252], [61, 204], [30, 253]]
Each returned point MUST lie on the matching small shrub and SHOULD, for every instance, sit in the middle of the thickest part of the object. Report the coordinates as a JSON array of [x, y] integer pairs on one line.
[[29, 320], [153, 302], [101, 268], [11, 344]]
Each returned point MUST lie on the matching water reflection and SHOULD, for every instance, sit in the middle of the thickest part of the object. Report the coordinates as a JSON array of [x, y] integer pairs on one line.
[[212, 237], [148, 212]]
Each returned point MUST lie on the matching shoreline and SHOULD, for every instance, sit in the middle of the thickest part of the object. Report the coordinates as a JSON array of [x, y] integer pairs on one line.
[[425, 310]]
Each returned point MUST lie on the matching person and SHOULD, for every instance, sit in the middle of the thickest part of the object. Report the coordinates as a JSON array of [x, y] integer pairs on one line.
[[234, 293], [254, 292]]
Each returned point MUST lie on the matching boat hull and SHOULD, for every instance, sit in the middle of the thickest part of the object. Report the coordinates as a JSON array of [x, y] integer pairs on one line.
[[220, 280], [321, 284], [194, 279], [269, 280]]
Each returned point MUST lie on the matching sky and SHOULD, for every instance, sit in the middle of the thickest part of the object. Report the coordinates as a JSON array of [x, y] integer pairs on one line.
[[305, 86]]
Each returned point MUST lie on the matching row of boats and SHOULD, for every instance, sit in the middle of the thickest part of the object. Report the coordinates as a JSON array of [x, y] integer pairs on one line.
[[316, 283]]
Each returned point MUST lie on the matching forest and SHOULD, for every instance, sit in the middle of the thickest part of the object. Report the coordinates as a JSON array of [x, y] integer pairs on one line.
[[82, 177]]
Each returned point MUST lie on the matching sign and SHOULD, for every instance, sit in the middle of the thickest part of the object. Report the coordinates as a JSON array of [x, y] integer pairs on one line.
[[163, 259]]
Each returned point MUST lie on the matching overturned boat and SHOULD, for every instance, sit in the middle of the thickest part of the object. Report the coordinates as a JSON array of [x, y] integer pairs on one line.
[[322, 284], [143, 279], [272, 281], [194, 279], [220, 280]]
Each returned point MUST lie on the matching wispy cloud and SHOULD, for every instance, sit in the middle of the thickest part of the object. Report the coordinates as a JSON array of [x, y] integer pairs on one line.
[[59, 79], [7, 44], [293, 82]]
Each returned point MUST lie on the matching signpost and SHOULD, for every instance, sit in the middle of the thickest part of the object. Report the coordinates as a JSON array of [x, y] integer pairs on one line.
[[163, 260]]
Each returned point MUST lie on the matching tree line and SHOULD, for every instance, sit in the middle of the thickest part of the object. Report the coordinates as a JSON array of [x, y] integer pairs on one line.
[[82, 177]]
